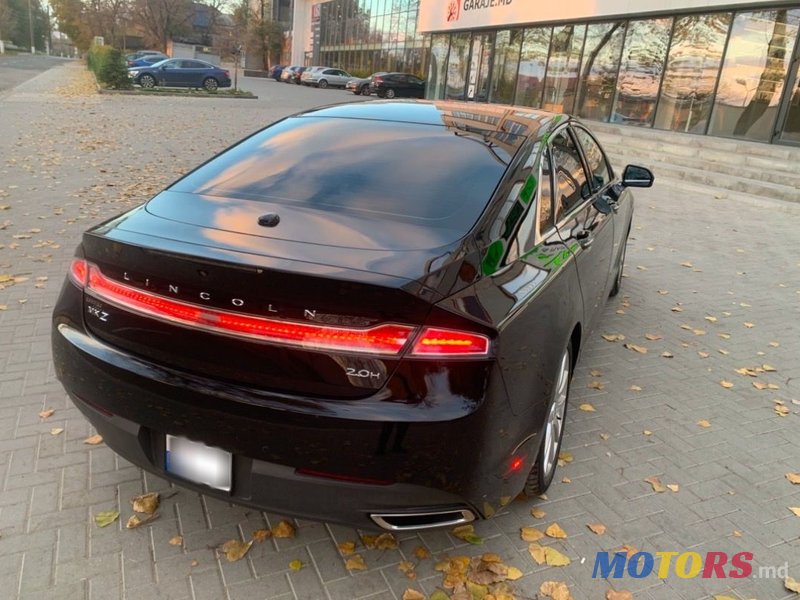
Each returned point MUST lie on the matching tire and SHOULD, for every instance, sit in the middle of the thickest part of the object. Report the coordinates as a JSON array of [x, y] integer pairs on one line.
[[322, 84], [210, 84], [147, 81], [365, 90], [390, 93], [620, 265], [544, 469]]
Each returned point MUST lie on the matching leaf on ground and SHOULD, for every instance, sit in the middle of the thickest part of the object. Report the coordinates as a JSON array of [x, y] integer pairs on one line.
[[723, 597], [538, 513], [134, 521], [663, 292], [775, 344], [759, 385], [555, 531], [604, 436], [704, 423], [674, 487], [613, 337], [653, 337], [284, 529], [724, 336], [658, 487], [439, 595], [386, 541], [106, 518], [782, 411], [793, 478], [513, 574], [768, 369], [261, 535], [94, 440], [619, 595], [676, 309], [597, 528], [347, 548], [467, 533], [647, 432], [236, 549], [557, 590], [667, 355], [703, 354], [146, 503], [791, 584], [410, 594], [687, 264], [723, 352], [407, 568], [586, 407], [421, 552], [749, 325], [596, 385], [635, 348], [296, 565], [795, 510], [56, 430], [699, 331], [530, 534], [564, 457], [726, 384], [629, 550], [711, 319], [596, 373], [355, 563], [47, 413], [176, 540], [635, 388]]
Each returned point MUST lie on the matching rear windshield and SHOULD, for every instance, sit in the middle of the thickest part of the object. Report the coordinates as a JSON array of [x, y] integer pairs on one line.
[[423, 174]]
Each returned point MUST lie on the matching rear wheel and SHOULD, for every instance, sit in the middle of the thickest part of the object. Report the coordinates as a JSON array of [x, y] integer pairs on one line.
[[147, 81], [543, 470], [210, 84], [365, 90], [390, 93], [322, 84]]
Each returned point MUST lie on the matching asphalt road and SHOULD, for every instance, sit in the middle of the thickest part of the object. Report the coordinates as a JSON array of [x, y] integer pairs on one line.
[[18, 68]]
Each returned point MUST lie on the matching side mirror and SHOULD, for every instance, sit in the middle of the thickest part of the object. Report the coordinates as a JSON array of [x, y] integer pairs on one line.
[[636, 176]]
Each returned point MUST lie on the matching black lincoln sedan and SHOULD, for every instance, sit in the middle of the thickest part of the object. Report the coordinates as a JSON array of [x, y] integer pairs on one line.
[[375, 329]]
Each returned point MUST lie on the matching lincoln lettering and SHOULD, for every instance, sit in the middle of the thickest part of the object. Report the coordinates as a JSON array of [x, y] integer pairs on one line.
[[476, 4]]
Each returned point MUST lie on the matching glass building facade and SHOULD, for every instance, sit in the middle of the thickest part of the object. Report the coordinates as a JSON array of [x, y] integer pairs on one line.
[[365, 36], [728, 73]]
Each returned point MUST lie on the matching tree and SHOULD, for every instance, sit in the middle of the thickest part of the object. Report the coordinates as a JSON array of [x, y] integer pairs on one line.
[[17, 25], [163, 19], [8, 19], [267, 34]]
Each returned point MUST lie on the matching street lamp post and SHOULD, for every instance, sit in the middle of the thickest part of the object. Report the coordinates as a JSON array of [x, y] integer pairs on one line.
[[30, 25]]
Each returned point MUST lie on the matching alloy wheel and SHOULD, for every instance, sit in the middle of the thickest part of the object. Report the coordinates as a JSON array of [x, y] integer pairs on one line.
[[554, 426]]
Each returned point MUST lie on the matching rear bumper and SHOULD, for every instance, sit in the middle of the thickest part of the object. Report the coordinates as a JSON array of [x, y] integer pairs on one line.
[[390, 467]]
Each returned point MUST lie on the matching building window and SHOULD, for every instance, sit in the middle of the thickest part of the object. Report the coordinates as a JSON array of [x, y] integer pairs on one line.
[[532, 66], [695, 54], [601, 56], [506, 61], [640, 71], [437, 65], [457, 66], [561, 82], [753, 74]]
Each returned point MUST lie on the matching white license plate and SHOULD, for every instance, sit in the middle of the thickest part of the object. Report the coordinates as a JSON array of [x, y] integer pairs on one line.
[[199, 463]]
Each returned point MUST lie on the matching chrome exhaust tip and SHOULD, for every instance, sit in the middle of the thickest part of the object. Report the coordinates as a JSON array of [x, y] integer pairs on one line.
[[406, 521]]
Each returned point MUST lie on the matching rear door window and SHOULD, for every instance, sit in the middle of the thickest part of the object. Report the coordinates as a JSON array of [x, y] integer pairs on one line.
[[571, 183], [598, 164]]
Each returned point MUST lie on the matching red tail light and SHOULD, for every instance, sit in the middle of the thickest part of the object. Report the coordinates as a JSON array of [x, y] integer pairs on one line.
[[377, 80], [78, 271], [227, 74], [387, 339], [436, 342]]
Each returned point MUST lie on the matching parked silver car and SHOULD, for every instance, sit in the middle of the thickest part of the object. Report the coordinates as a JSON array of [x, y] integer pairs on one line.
[[323, 77]]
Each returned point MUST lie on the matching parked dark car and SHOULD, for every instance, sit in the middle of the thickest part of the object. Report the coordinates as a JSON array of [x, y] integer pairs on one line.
[[181, 72], [386, 340], [275, 72], [146, 61], [401, 85], [142, 53], [360, 87]]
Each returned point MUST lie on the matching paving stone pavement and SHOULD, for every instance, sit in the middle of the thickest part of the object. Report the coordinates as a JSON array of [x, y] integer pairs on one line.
[[70, 158]]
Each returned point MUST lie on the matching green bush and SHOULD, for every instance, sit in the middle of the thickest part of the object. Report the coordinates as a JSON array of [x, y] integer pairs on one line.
[[110, 67]]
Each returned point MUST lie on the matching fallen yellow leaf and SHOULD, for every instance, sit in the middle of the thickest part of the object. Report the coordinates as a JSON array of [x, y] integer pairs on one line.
[[565, 457], [93, 440], [629, 550], [47, 413], [596, 385], [674, 487], [595, 373], [555, 531], [792, 584], [749, 325], [134, 521], [386, 541], [658, 487], [586, 407], [667, 354], [106, 518], [795, 510], [653, 337], [613, 337], [704, 423], [407, 568], [597, 528], [467, 533], [421, 552], [620, 595], [176, 540], [726, 384], [793, 478], [538, 513], [635, 388], [261, 535], [56, 430], [513, 574], [236, 549], [530, 534], [146, 503], [410, 594], [557, 590], [284, 529], [355, 563], [295, 565], [635, 348]]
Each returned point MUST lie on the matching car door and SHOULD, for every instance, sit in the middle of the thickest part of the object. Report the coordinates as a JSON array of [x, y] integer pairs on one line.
[[584, 223], [343, 78], [416, 87], [169, 73], [194, 72], [609, 192]]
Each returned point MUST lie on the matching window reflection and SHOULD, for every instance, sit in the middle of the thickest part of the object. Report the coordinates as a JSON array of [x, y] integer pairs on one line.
[[791, 127], [506, 62], [601, 57], [457, 66], [752, 78], [640, 71], [532, 66], [687, 93], [561, 83]]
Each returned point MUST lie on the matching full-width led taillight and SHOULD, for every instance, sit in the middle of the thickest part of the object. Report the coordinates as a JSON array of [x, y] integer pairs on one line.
[[447, 342]]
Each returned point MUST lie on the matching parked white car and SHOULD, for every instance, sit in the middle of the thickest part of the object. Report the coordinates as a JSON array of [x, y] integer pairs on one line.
[[323, 77]]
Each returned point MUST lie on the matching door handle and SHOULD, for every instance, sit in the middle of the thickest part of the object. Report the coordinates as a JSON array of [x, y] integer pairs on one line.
[[585, 238]]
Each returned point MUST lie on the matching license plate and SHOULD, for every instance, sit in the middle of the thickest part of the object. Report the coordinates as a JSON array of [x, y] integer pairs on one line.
[[199, 463]]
